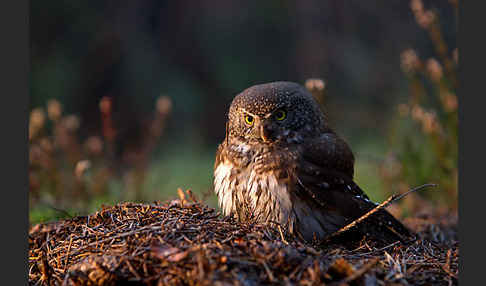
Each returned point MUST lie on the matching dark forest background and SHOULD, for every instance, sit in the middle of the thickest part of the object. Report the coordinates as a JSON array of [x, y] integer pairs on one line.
[[128, 99]]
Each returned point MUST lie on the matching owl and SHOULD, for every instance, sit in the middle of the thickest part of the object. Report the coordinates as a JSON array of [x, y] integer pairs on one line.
[[281, 162]]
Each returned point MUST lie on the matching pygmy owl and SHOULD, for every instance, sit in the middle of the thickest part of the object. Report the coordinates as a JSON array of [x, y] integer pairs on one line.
[[281, 162]]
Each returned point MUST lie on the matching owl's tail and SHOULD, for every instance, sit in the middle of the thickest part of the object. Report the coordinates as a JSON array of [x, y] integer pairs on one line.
[[385, 227]]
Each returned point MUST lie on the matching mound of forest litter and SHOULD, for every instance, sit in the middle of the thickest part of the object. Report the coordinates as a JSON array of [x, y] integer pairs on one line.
[[188, 243]]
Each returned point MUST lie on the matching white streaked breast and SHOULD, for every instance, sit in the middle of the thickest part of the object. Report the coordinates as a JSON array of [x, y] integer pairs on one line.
[[222, 187]]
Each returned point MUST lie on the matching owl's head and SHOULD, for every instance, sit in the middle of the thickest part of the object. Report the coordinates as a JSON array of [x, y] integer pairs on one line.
[[275, 111]]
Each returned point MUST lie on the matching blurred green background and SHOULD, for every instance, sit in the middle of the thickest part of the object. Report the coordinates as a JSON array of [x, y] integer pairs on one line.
[[128, 99]]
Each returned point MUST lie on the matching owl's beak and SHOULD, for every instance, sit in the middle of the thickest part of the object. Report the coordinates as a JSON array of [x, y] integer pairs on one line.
[[266, 133], [263, 135]]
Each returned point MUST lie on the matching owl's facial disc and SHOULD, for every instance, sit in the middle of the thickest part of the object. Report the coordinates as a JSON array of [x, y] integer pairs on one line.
[[264, 128]]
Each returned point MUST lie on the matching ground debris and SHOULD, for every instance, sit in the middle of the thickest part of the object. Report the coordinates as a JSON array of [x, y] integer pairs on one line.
[[187, 243]]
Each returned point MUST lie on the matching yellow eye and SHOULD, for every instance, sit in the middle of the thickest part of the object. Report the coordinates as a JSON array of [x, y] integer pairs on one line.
[[249, 119], [280, 115]]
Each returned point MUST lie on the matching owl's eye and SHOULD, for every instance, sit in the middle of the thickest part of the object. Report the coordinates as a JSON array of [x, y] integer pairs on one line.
[[280, 114], [249, 119]]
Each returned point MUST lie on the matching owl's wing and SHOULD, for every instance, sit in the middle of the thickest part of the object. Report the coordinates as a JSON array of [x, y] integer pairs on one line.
[[325, 175]]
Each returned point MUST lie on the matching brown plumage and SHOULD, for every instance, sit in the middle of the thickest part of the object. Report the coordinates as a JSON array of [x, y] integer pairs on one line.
[[281, 162]]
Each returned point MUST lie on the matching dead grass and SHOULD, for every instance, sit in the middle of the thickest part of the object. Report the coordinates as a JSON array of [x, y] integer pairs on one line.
[[187, 243]]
